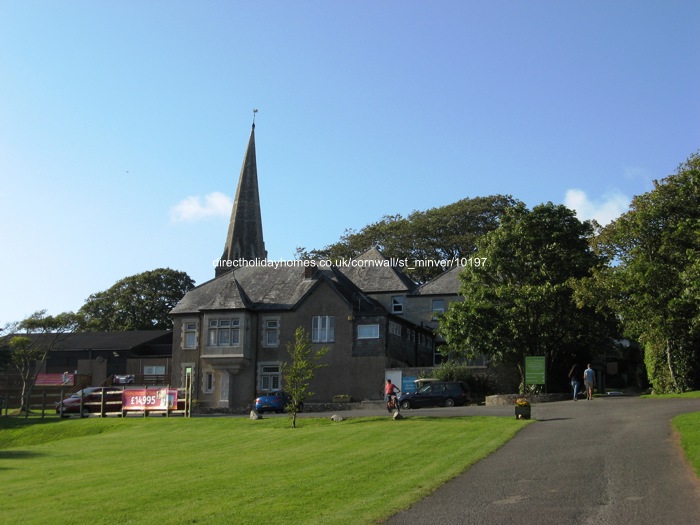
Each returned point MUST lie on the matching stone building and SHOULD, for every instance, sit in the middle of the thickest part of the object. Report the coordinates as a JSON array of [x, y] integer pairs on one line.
[[232, 332]]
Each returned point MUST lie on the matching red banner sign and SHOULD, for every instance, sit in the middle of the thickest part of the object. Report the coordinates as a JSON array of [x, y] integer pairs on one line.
[[64, 379], [150, 399]]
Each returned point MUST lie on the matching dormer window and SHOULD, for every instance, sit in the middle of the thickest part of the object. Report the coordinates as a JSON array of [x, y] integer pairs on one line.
[[397, 304]]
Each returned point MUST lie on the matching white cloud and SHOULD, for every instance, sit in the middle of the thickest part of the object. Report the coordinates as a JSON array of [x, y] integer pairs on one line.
[[604, 210], [194, 208]]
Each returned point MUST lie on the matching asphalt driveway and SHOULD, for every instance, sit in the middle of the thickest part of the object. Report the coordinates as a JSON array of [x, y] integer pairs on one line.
[[609, 461]]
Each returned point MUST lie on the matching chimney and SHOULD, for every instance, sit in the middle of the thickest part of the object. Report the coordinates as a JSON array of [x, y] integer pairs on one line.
[[310, 270]]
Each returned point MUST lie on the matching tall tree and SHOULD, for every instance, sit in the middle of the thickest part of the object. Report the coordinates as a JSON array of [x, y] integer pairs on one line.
[[139, 302], [520, 302], [30, 344], [653, 278], [298, 372], [444, 233]]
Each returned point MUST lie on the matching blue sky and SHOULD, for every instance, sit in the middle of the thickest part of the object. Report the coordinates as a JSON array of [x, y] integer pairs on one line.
[[123, 124]]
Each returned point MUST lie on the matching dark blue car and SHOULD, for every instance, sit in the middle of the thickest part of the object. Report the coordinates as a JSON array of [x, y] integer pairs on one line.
[[441, 394], [273, 402]]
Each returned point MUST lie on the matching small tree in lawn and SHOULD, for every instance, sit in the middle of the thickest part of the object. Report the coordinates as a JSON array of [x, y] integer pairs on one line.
[[298, 372], [29, 350]]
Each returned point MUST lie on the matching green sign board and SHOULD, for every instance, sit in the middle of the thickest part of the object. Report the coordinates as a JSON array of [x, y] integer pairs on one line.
[[534, 370]]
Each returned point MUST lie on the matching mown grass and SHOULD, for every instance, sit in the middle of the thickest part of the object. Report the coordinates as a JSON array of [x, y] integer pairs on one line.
[[686, 395], [233, 470], [688, 427]]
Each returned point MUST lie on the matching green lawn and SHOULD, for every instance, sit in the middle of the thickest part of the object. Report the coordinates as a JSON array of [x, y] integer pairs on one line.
[[688, 427], [232, 470], [690, 395]]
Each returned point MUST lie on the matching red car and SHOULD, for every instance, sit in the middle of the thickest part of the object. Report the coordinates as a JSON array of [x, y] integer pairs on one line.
[[91, 401]]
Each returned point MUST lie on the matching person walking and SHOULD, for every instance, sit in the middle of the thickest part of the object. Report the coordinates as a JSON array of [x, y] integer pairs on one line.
[[573, 377], [589, 381]]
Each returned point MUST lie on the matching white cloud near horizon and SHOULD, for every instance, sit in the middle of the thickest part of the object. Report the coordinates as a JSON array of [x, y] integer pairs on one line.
[[604, 210], [195, 208]]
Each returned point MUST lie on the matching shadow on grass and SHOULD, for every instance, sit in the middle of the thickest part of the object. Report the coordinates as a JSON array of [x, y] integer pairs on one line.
[[6, 455], [7, 422]]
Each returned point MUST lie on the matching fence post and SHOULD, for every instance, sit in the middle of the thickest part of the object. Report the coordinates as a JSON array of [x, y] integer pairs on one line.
[[60, 408]]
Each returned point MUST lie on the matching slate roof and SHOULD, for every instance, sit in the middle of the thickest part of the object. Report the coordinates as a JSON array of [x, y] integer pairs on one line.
[[133, 340], [444, 284], [380, 277], [244, 239], [269, 288]]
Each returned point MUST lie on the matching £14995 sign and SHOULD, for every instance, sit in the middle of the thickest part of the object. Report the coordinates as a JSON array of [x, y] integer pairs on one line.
[[150, 399]]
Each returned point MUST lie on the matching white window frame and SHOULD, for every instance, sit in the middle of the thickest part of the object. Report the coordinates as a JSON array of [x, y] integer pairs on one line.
[[395, 328], [190, 329], [224, 331], [269, 377], [397, 304], [438, 310], [368, 331], [323, 329], [271, 328]]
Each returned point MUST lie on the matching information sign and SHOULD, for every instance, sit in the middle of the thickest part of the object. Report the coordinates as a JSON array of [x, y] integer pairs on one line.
[[535, 370]]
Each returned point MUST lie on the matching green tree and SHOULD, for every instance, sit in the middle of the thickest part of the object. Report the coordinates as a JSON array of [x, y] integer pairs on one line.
[[443, 233], [139, 302], [30, 344], [298, 372], [652, 281], [520, 302]]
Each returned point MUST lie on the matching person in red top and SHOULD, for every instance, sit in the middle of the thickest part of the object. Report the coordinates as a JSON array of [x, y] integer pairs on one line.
[[390, 389]]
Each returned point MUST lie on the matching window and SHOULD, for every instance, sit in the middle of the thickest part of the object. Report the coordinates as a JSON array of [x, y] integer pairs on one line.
[[438, 307], [368, 331], [394, 328], [271, 335], [323, 329], [397, 304], [208, 383], [270, 377], [154, 370], [190, 330], [224, 332]]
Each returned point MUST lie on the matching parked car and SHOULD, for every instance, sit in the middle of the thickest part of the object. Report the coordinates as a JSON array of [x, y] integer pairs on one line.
[[91, 401], [439, 393], [273, 402]]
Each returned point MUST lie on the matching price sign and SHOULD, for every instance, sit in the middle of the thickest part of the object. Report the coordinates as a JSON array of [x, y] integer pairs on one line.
[[150, 399]]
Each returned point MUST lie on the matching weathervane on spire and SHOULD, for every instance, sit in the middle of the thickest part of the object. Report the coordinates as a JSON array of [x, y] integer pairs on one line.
[[254, 112]]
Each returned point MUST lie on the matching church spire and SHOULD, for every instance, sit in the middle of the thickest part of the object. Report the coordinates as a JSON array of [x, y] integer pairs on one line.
[[245, 236]]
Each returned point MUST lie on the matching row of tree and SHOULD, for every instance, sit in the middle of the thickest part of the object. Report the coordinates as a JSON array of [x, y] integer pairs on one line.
[[555, 287], [652, 277], [138, 302], [445, 233], [559, 287], [552, 285]]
